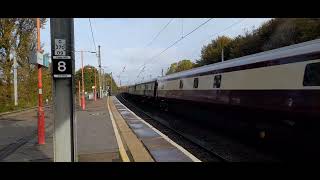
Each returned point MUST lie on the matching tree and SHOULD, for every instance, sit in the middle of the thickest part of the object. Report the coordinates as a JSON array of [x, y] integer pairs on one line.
[[18, 36], [180, 66], [213, 51], [172, 68], [89, 79], [275, 33], [111, 83], [184, 65]]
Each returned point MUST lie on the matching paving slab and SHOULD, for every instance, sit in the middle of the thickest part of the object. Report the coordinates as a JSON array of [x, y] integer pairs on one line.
[[96, 139], [158, 147]]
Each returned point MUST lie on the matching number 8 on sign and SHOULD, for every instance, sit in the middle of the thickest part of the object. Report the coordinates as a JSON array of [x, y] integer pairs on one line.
[[61, 66]]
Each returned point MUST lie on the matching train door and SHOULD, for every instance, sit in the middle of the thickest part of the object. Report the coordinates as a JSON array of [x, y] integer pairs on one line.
[[145, 89], [155, 89]]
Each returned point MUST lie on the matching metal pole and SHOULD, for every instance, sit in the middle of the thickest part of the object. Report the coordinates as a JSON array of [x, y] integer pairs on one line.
[[103, 82], [79, 89], [41, 123], [222, 55], [63, 68], [15, 79], [83, 98], [110, 83], [95, 84], [99, 56]]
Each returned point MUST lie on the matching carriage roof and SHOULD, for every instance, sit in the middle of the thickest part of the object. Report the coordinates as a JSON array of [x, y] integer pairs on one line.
[[287, 51]]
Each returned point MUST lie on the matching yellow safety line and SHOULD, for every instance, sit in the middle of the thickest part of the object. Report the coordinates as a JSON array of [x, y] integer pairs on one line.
[[123, 153]]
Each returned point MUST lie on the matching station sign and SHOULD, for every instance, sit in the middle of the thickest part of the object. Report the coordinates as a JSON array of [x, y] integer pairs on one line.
[[61, 64]]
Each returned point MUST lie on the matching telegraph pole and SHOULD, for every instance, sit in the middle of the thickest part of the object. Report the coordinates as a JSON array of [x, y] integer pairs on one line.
[[41, 123], [63, 70]]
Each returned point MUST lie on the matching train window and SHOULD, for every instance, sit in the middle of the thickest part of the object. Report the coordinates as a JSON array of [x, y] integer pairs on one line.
[[217, 81], [195, 82], [312, 75], [181, 84]]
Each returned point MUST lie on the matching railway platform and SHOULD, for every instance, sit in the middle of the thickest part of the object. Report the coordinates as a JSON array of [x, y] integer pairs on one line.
[[107, 131], [160, 147]]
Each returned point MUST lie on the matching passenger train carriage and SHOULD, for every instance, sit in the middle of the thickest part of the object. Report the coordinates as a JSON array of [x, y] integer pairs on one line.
[[147, 89], [284, 79]]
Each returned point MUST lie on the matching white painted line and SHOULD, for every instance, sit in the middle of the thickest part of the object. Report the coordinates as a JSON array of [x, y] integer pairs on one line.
[[122, 151], [187, 153], [61, 75]]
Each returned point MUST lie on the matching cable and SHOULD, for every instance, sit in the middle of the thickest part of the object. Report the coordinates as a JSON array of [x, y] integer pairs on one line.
[[176, 42], [159, 32], [221, 31], [94, 42], [181, 27], [156, 38]]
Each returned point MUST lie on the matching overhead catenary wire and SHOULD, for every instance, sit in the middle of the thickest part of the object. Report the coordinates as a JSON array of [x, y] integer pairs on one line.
[[159, 32], [180, 39], [225, 29], [157, 35], [94, 42]]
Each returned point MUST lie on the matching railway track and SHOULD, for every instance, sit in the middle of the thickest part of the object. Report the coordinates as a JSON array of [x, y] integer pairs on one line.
[[191, 139]]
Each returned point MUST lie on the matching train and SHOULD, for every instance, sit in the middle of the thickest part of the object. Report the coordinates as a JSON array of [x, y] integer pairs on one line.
[[284, 80]]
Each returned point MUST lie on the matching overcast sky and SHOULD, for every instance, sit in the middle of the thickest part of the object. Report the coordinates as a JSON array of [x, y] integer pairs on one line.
[[125, 42]]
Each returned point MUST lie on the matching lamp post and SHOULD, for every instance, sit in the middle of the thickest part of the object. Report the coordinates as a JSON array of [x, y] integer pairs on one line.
[[82, 76], [41, 123], [95, 84], [79, 88], [83, 98]]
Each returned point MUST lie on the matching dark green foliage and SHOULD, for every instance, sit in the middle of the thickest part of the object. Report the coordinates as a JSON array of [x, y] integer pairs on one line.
[[180, 66], [19, 35], [275, 33], [89, 79]]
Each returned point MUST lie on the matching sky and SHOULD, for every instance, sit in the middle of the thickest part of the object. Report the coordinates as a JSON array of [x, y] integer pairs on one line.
[[126, 43]]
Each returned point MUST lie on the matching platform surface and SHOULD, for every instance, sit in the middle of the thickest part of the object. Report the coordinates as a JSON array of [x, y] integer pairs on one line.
[[95, 136], [158, 145]]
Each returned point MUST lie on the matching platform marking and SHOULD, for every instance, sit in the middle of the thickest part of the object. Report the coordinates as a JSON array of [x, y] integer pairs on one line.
[[187, 153], [123, 153]]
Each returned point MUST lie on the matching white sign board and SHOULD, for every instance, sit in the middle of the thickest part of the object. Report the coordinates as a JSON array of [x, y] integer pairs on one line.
[[60, 47], [39, 58]]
